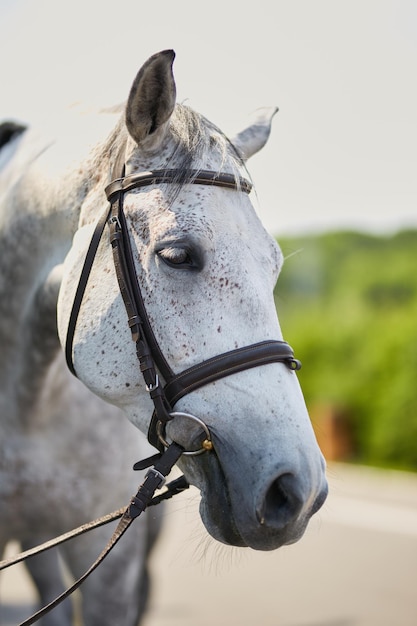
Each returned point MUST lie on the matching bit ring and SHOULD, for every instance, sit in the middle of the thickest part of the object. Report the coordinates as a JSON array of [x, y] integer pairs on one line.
[[206, 445]]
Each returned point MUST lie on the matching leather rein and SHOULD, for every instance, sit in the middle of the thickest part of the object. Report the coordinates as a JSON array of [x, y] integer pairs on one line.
[[153, 365]]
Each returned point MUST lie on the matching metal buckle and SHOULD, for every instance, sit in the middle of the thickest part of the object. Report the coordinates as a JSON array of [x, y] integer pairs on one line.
[[206, 445], [114, 219], [162, 479], [151, 387]]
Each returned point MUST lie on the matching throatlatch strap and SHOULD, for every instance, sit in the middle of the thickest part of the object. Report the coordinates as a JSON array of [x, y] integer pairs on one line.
[[82, 284]]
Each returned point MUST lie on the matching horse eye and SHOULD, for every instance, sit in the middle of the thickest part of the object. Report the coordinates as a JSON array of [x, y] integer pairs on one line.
[[177, 257]]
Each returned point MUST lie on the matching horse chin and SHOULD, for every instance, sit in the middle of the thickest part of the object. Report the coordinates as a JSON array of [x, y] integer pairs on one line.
[[225, 533]]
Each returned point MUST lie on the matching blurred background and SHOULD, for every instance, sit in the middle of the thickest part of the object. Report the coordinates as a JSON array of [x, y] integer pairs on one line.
[[337, 186]]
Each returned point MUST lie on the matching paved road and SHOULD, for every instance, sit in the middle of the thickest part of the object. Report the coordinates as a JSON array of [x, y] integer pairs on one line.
[[356, 565]]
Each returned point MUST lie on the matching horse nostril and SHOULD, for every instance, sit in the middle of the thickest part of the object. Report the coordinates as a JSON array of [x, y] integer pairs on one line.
[[281, 502]]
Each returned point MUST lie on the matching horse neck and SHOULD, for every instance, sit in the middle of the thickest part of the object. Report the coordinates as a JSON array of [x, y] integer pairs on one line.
[[38, 218]]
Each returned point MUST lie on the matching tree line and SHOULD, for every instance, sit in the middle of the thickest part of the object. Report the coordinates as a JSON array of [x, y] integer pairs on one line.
[[347, 304]]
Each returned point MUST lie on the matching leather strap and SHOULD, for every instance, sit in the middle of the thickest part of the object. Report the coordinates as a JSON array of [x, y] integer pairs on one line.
[[82, 284], [52, 543], [196, 177], [86, 270], [229, 363], [122, 526], [154, 479], [128, 283], [174, 487], [219, 367], [147, 348]]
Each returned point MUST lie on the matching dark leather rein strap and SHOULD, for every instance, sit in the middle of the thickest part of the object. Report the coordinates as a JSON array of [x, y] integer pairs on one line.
[[144, 497]]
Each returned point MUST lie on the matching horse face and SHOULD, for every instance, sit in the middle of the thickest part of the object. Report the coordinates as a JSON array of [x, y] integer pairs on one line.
[[209, 280], [207, 269]]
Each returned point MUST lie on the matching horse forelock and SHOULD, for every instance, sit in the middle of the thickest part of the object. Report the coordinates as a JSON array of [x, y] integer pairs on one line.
[[196, 138]]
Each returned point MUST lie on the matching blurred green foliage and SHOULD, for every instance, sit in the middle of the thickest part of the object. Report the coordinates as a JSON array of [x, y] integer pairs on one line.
[[347, 304]]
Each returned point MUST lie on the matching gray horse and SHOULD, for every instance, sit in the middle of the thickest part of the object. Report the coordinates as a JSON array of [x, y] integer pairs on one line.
[[207, 269]]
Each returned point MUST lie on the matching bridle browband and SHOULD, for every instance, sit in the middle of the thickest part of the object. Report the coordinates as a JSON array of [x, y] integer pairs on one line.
[[153, 364], [197, 177]]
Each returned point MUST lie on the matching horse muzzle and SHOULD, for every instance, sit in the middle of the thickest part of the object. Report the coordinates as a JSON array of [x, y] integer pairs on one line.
[[254, 504]]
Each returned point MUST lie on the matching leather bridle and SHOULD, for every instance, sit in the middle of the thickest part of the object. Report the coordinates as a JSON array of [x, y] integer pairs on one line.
[[153, 365]]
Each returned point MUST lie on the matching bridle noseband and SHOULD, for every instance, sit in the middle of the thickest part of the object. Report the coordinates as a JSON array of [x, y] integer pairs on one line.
[[153, 364]]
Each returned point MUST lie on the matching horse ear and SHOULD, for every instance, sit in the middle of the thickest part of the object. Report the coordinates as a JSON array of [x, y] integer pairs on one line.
[[254, 137], [152, 99]]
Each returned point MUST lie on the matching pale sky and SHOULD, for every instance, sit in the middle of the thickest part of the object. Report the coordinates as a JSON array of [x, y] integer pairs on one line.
[[343, 151]]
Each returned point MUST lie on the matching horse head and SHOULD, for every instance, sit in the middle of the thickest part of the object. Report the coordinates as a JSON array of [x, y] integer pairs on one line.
[[206, 269]]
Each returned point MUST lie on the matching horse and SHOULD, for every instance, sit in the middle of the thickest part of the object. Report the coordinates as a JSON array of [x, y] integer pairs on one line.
[[206, 268]]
